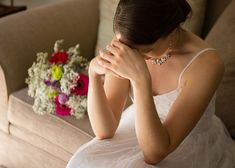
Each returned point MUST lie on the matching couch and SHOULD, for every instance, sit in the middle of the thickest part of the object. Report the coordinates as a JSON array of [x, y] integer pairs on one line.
[[28, 140]]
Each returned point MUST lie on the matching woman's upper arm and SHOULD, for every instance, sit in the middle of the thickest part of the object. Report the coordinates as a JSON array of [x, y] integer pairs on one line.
[[200, 83], [116, 90]]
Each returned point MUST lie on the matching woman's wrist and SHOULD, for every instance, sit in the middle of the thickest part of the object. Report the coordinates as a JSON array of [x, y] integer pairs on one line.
[[141, 82], [141, 79], [94, 76]]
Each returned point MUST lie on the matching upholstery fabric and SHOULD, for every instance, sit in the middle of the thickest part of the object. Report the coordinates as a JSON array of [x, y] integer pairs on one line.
[[214, 9], [195, 22], [40, 142], [66, 132], [27, 32], [222, 38], [105, 30], [37, 29], [108, 8], [20, 154], [4, 124]]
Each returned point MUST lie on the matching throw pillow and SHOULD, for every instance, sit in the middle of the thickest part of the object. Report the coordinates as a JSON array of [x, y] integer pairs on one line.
[[108, 8], [222, 38]]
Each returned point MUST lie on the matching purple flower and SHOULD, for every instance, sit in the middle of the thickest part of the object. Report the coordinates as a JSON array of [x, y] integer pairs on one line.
[[47, 82], [62, 98]]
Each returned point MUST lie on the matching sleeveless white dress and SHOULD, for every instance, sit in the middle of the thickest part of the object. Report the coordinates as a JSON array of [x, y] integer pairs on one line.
[[209, 144]]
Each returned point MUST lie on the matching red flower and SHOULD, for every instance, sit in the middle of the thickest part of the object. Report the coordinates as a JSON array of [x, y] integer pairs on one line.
[[82, 85], [59, 58], [61, 109]]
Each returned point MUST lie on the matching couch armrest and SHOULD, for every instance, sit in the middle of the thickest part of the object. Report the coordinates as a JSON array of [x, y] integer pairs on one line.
[[34, 30], [3, 103]]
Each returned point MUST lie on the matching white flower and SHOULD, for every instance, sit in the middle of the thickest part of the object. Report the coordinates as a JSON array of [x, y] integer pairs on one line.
[[57, 45]]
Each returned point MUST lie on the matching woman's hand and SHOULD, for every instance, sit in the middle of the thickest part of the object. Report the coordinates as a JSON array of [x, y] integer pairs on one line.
[[96, 69], [125, 62]]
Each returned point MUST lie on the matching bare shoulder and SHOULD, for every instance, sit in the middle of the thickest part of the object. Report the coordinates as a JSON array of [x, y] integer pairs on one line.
[[208, 65], [210, 59], [208, 68]]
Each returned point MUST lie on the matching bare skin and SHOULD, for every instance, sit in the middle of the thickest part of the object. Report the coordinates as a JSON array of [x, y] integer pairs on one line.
[[123, 66]]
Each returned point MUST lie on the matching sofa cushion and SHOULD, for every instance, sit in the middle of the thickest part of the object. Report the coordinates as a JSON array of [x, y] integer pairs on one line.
[[195, 22], [214, 8], [222, 38], [39, 142], [65, 131], [108, 8], [15, 153]]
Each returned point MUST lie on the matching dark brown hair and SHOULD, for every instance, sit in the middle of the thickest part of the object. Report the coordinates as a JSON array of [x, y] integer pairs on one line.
[[145, 21]]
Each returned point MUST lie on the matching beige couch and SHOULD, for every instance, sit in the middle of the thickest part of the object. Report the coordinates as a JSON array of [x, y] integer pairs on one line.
[[28, 140]]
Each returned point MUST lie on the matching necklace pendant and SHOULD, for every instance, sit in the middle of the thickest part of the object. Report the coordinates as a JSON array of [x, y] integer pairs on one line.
[[156, 61], [160, 61]]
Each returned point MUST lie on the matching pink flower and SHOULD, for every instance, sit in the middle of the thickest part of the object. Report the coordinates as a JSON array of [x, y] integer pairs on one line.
[[61, 109], [59, 58], [62, 98], [82, 85]]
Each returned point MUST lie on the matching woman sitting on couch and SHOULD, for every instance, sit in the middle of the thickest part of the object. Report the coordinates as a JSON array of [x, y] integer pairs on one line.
[[172, 76]]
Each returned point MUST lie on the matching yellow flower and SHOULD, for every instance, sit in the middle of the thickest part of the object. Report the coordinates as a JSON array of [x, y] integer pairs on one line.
[[52, 94], [56, 72]]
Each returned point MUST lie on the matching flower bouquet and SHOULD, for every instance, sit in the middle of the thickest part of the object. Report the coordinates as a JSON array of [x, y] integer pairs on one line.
[[59, 83]]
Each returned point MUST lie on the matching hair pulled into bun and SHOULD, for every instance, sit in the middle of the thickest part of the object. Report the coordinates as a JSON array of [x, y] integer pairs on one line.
[[145, 21]]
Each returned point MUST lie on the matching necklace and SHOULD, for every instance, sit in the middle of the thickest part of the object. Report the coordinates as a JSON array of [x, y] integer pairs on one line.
[[167, 55]]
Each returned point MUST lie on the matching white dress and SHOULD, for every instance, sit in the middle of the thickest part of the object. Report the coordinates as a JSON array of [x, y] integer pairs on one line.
[[208, 145]]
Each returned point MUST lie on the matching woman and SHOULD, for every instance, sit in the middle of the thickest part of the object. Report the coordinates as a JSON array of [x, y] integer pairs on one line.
[[172, 76]]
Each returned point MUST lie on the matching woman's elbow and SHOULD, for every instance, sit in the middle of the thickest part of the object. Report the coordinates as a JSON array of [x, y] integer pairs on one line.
[[154, 159], [105, 132], [104, 136]]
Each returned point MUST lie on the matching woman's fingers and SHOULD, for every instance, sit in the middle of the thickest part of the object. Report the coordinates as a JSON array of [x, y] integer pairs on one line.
[[104, 63], [109, 72], [106, 55], [100, 60], [106, 66], [112, 49], [119, 44]]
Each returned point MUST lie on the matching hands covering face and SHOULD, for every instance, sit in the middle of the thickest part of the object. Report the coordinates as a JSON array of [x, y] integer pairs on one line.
[[122, 61]]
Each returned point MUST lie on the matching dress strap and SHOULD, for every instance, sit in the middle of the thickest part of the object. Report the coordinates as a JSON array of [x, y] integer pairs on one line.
[[190, 62]]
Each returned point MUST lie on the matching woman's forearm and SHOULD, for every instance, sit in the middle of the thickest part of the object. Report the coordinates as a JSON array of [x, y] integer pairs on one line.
[[100, 114], [152, 136]]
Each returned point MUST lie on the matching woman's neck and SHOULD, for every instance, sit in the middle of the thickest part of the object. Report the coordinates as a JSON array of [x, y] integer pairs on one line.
[[162, 45]]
